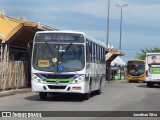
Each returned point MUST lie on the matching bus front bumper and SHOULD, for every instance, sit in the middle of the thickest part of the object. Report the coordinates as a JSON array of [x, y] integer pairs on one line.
[[135, 78], [58, 88]]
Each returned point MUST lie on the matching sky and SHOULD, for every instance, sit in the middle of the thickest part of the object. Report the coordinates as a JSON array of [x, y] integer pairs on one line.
[[140, 24]]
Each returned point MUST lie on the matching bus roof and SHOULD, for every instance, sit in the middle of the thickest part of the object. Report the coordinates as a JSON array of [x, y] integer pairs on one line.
[[153, 54], [75, 32], [135, 60]]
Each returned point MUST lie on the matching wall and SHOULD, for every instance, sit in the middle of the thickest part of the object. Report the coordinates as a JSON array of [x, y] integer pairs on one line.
[[13, 75]]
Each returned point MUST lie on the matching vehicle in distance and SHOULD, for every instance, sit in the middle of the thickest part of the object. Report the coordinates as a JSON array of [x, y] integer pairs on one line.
[[135, 70], [152, 69]]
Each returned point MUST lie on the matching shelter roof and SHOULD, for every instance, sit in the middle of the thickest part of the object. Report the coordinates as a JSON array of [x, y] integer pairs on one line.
[[19, 30], [112, 53]]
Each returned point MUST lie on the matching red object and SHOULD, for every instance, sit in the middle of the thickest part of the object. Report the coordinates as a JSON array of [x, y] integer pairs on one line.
[[146, 73]]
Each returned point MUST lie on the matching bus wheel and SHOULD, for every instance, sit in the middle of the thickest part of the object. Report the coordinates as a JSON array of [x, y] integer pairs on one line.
[[149, 84], [99, 91], [87, 95], [42, 95]]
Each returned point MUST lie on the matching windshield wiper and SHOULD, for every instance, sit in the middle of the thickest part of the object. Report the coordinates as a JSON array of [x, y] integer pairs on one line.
[[49, 48], [68, 47]]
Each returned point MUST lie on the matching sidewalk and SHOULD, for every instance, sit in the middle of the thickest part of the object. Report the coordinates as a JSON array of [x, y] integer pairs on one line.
[[13, 92]]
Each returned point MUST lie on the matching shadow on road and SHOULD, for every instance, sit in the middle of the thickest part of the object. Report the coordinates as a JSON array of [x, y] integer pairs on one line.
[[145, 86], [60, 97]]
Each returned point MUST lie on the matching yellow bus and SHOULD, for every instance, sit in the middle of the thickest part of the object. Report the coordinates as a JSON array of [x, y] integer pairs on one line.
[[135, 70]]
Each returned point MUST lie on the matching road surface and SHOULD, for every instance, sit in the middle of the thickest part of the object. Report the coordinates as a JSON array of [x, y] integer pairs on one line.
[[116, 96]]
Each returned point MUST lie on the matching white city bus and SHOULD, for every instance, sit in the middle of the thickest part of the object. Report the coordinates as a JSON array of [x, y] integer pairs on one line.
[[152, 69], [67, 62]]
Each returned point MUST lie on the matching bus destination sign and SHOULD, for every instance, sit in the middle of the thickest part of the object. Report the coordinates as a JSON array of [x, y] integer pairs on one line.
[[49, 37]]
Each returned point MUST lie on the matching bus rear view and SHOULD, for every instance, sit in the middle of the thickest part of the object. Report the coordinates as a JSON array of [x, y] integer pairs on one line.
[[152, 69]]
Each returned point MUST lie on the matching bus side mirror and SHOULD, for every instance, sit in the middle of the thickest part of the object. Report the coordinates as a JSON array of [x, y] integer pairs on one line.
[[29, 47]]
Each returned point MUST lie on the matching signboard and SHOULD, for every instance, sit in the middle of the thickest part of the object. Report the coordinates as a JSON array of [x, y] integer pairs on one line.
[[43, 63], [56, 37], [154, 70], [135, 63], [154, 59]]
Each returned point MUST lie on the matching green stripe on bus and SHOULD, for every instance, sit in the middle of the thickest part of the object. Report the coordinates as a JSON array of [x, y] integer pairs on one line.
[[61, 80], [154, 70]]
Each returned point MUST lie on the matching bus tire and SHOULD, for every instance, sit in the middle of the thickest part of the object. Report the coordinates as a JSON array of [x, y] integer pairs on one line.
[[42, 95], [99, 91], [149, 84], [87, 95]]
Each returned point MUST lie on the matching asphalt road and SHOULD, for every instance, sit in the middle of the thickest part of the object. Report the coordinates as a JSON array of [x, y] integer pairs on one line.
[[116, 96]]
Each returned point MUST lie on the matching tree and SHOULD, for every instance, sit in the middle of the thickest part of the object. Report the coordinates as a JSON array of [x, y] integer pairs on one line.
[[142, 54]]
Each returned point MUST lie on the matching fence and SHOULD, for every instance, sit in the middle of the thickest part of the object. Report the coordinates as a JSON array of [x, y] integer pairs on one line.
[[13, 75]]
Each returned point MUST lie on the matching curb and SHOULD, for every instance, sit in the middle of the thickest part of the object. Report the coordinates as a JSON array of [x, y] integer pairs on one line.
[[13, 92]]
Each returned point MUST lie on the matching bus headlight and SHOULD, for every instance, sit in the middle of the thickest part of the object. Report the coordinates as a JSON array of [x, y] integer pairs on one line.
[[37, 79], [79, 79]]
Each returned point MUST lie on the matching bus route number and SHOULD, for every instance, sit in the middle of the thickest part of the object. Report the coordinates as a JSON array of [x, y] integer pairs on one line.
[[43, 63]]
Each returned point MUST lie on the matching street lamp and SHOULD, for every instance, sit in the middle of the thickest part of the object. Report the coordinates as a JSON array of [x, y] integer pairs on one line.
[[108, 23], [121, 6]]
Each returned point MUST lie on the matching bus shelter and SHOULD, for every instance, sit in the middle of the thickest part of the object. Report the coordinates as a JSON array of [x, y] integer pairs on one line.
[[111, 54], [118, 69], [14, 59]]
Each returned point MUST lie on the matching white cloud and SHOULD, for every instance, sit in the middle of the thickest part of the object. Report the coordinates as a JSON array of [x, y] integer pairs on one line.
[[96, 8], [134, 13], [142, 14]]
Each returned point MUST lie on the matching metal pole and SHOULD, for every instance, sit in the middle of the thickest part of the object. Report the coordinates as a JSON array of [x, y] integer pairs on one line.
[[107, 41], [120, 31], [108, 23], [121, 6]]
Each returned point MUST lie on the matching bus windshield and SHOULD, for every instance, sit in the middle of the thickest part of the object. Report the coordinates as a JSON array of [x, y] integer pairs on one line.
[[51, 57], [135, 68]]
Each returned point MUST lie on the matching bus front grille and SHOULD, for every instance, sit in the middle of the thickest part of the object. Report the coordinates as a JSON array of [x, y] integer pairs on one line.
[[54, 81], [56, 87]]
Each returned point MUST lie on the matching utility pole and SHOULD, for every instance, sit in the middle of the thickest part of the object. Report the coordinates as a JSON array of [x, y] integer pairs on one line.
[[108, 64], [107, 42], [121, 6]]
